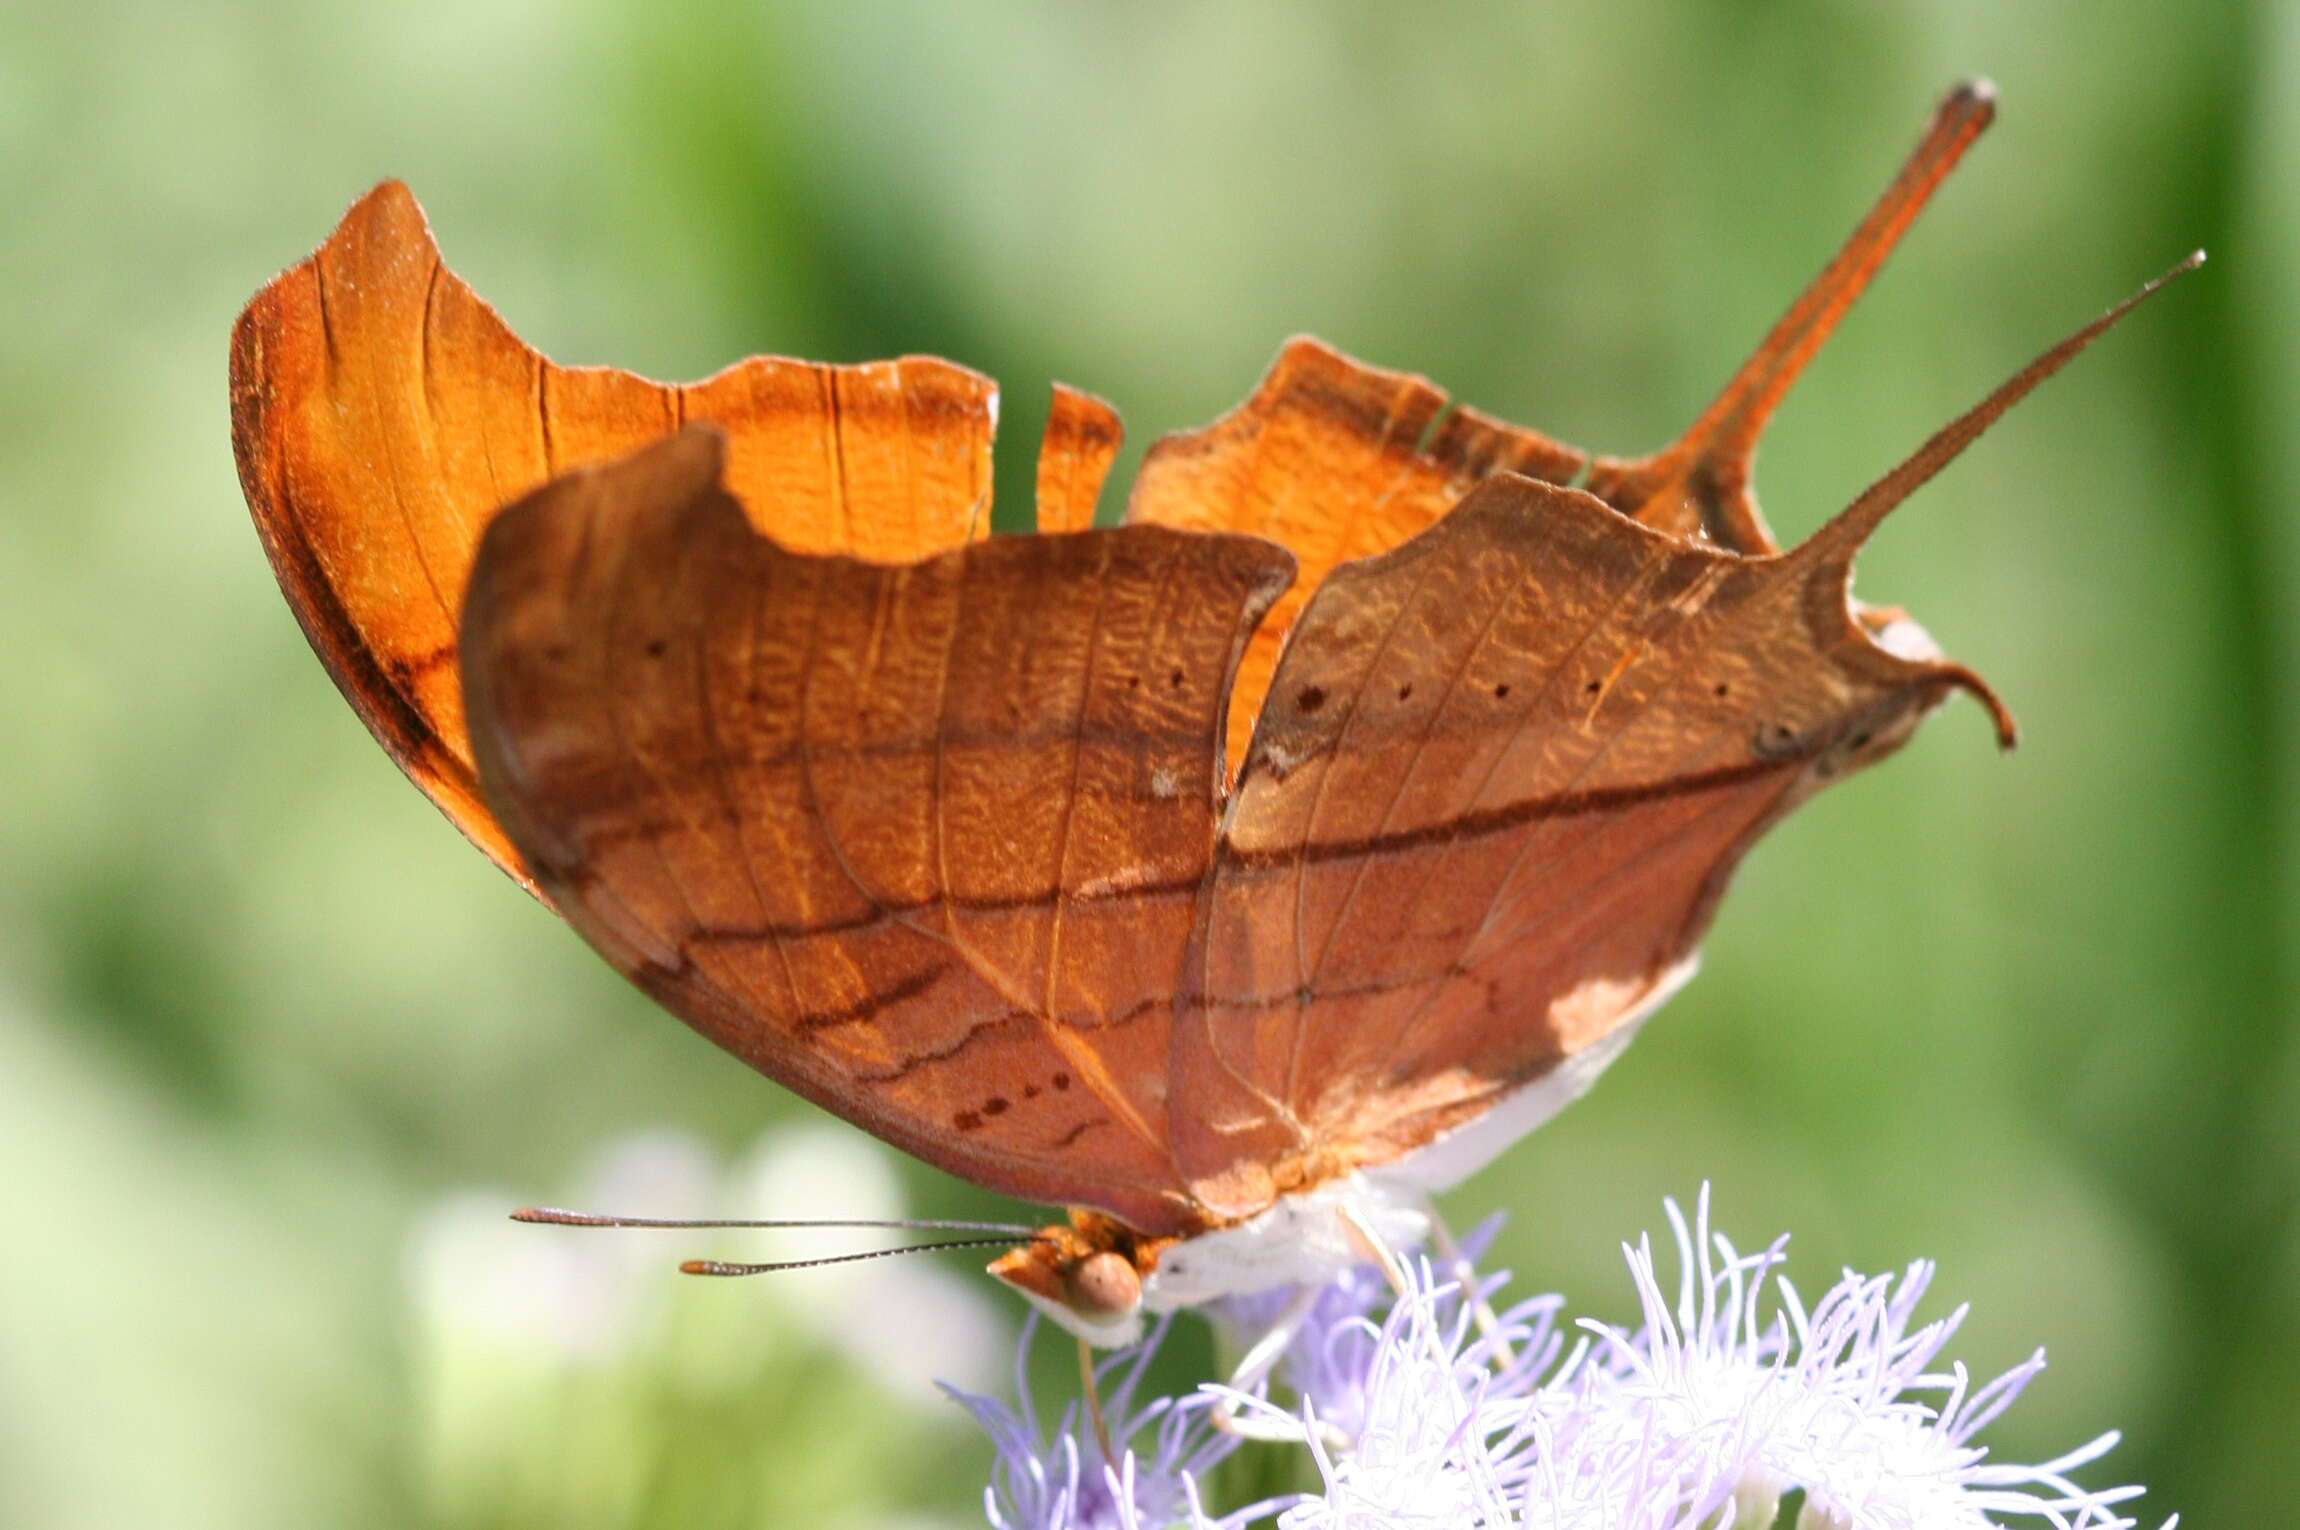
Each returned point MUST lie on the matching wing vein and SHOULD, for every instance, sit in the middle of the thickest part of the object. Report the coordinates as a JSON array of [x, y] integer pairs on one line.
[[613, 694], [1302, 967], [1069, 808], [707, 718], [1404, 779], [1510, 873], [1558, 670], [812, 797]]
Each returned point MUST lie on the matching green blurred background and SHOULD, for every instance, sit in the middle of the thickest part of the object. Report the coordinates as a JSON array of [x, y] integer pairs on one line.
[[276, 1046]]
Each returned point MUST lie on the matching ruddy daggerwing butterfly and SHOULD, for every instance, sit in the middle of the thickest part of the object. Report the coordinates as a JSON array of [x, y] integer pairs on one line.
[[1284, 851]]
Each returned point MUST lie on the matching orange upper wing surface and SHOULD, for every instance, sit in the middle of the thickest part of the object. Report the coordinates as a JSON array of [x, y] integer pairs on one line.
[[381, 414], [1328, 459]]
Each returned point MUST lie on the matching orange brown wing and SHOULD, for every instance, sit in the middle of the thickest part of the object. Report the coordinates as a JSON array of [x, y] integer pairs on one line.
[[922, 843], [1074, 456], [1501, 780], [1329, 458], [1502, 776], [1504, 771], [381, 413]]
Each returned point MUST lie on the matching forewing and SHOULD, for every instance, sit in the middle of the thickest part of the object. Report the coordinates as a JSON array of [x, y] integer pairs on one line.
[[381, 413], [922, 843], [1500, 780]]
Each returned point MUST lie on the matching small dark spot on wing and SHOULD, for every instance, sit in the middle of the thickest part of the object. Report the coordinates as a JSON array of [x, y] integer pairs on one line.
[[1774, 741], [1076, 1132]]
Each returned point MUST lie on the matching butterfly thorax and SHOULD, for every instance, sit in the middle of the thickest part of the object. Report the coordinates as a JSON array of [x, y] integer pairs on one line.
[[1097, 1278]]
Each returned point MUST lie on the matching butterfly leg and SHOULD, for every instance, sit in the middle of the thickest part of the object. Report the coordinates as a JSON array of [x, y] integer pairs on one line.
[[1092, 1392], [1255, 1367], [1369, 1243], [1480, 1310], [1370, 1246]]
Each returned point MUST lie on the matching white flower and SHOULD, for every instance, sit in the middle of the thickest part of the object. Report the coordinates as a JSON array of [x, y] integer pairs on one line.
[[1719, 1406], [1062, 1482], [1752, 1399]]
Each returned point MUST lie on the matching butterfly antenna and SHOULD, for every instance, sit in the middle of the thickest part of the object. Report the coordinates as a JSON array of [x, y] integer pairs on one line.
[[730, 1268], [555, 1216]]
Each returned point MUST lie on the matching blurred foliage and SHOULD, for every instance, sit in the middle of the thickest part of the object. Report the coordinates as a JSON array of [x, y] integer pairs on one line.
[[261, 1012]]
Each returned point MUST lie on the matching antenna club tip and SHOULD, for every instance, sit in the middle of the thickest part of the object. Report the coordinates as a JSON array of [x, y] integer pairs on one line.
[[698, 1267]]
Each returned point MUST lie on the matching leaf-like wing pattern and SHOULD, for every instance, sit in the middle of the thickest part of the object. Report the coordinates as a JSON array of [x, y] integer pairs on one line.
[[922, 842], [1111, 867], [1500, 780]]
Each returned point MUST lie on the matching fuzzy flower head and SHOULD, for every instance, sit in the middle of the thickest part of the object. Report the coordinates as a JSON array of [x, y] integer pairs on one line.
[[1061, 1480], [1758, 1396], [1435, 1432], [1732, 1404]]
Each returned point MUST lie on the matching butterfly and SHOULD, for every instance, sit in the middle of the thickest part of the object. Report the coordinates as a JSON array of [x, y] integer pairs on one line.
[[1235, 876]]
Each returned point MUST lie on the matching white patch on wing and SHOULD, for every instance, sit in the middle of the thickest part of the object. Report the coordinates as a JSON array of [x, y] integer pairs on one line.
[[1302, 1239], [1904, 639], [1447, 1160]]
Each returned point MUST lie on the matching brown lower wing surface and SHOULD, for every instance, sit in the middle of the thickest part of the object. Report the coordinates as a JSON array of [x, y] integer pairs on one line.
[[1337, 460], [922, 843], [1498, 784]]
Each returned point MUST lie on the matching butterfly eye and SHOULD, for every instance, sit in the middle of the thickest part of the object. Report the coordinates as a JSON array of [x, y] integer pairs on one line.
[[1103, 1285]]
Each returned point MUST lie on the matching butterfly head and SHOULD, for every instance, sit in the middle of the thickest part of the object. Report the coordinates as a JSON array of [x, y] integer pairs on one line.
[[1086, 1275]]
